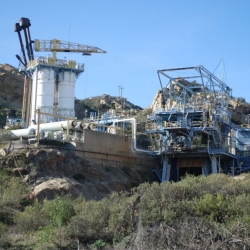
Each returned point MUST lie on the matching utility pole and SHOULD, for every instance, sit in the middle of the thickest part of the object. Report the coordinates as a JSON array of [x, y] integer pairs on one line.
[[120, 92]]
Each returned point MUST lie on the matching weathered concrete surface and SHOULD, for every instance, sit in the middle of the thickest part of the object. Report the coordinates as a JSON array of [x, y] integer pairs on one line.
[[112, 150]]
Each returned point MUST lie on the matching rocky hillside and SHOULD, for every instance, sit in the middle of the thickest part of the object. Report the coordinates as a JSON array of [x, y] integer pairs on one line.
[[11, 94], [11, 82], [52, 171], [237, 106], [240, 110], [102, 104]]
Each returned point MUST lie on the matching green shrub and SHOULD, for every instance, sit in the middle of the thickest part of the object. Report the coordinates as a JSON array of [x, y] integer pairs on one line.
[[59, 213], [32, 218], [14, 192], [214, 207], [241, 207], [123, 215], [99, 244], [151, 204], [209, 212], [91, 220]]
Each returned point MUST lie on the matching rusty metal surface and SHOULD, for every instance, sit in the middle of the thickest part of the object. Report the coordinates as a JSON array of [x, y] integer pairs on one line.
[[193, 163]]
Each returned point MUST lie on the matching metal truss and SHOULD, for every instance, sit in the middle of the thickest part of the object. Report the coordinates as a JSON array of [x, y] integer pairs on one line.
[[194, 83]]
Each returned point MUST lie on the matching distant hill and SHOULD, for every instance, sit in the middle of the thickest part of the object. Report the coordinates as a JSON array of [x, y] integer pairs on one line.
[[102, 104]]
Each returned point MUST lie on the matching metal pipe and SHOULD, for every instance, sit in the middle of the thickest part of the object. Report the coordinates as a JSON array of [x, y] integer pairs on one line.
[[35, 99], [22, 133], [53, 126], [17, 29], [133, 121], [24, 24], [25, 92], [30, 41], [29, 101], [38, 125]]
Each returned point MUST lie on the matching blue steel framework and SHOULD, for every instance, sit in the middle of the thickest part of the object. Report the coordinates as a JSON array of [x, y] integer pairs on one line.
[[191, 131]]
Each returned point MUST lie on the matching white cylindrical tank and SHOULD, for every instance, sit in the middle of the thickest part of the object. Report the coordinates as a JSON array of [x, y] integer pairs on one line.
[[46, 92], [66, 94], [43, 87]]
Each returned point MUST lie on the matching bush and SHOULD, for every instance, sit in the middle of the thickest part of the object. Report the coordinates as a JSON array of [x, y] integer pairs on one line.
[[59, 213], [99, 244], [214, 208], [91, 220], [195, 213], [32, 218], [14, 192]]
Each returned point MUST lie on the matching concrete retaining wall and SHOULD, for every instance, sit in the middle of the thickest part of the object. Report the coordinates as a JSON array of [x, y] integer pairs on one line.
[[112, 150]]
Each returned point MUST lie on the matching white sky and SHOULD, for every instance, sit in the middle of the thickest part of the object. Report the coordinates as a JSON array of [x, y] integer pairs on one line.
[[140, 37]]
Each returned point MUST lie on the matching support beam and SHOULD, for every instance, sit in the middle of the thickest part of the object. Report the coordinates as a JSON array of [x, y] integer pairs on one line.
[[214, 164], [168, 172], [165, 169]]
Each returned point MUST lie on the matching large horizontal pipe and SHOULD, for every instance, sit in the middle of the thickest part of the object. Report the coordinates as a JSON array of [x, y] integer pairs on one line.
[[24, 133], [52, 126]]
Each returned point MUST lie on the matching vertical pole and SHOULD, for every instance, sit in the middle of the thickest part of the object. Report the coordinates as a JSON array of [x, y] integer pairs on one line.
[[34, 95], [219, 165], [165, 170], [233, 168], [38, 126], [25, 93], [168, 171], [214, 165], [67, 135], [29, 101]]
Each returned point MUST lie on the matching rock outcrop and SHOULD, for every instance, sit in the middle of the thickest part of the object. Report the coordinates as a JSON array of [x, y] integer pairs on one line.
[[11, 83], [238, 108]]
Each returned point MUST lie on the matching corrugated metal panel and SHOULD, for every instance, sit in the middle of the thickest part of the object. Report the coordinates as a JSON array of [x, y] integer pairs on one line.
[[190, 163]]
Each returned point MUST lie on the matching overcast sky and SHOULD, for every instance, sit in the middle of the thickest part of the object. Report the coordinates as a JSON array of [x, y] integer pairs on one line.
[[140, 37]]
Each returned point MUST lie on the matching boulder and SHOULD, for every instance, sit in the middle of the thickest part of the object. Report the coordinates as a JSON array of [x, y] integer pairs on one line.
[[3, 152], [56, 186]]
